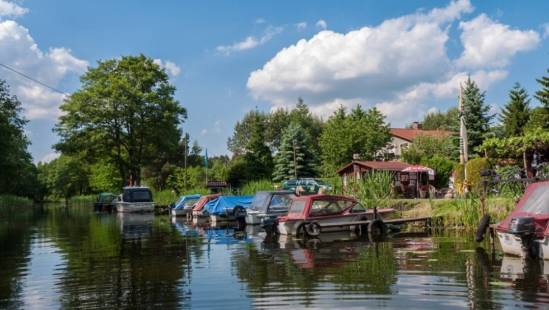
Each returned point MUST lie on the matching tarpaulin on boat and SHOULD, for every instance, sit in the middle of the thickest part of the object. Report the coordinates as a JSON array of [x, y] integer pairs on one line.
[[183, 200], [225, 204]]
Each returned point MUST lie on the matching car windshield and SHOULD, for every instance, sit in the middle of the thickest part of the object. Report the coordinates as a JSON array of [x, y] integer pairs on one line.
[[280, 203], [538, 201]]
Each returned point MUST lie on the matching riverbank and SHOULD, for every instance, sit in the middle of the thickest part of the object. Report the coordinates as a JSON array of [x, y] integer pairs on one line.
[[15, 201]]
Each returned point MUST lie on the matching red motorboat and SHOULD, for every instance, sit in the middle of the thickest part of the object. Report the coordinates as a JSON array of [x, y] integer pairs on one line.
[[525, 230], [311, 215]]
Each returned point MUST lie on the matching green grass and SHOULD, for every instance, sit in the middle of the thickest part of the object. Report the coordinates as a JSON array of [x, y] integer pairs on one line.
[[251, 188], [82, 200], [14, 201]]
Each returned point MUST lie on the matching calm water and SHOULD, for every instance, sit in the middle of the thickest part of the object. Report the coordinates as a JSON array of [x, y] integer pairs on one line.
[[57, 257]]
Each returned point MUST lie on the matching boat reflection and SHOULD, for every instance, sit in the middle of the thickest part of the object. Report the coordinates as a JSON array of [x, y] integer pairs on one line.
[[135, 225]]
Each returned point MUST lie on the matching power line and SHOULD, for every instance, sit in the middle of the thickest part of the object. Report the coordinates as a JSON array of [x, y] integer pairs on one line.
[[32, 79]]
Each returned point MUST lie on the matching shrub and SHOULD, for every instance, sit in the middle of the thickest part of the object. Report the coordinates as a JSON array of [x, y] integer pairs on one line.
[[443, 168], [474, 167], [252, 187], [375, 189]]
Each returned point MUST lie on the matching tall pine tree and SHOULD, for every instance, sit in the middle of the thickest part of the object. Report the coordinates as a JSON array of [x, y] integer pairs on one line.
[[477, 118], [258, 156], [543, 94], [516, 113], [295, 158]]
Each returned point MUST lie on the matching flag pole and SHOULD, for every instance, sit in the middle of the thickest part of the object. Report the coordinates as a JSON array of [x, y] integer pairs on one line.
[[463, 141]]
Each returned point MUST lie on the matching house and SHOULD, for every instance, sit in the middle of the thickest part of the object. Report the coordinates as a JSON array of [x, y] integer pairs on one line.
[[401, 138], [410, 180]]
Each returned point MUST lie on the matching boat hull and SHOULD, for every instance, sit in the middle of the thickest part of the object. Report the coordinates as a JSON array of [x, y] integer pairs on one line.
[[180, 212], [512, 245], [141, 207], [289, 227]]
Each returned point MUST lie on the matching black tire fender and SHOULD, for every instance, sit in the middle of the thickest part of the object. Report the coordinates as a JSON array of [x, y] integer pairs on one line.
[[238, 211], [312, 229], [376, 228], [482, 227]]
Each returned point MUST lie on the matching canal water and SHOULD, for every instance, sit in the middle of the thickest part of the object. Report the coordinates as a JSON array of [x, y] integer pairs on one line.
[[56, 257]]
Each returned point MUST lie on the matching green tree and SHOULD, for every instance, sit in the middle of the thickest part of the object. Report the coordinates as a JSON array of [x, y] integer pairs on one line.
[[476, 111], [68, 176], [543, 94], [17, 172], [124, 112], [295, 158], [516, 113], [104, 177], [426, 146], [243, 130], [359, 132], [448, 120], [258, 155]]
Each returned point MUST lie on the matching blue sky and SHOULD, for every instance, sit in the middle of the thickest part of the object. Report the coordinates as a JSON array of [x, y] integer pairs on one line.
[[404, 57]]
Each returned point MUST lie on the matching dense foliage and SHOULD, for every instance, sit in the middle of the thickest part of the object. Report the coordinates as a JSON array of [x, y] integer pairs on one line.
[[516, 113], [295, 157]]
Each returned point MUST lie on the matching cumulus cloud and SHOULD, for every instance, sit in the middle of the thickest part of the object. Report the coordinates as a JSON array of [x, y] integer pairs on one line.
[[399, 66], [545, 28], [10, 9], [19, 51], [301, 25], [490, 44], [321, 24], [171, 68], [260, 21], [250, 42]]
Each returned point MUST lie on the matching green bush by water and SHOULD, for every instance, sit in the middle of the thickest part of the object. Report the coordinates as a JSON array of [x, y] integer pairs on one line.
[[14, 201], [252, 187]]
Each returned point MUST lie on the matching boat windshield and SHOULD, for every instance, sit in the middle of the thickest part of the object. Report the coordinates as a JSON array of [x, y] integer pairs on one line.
[[538, 201], [328, 207], [259, 201], [297, 207], [191, 201], [138, 195], [280, 202]]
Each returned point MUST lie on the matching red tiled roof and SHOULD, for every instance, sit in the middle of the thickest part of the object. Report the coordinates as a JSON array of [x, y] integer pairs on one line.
[[378, 165], [409, 134]]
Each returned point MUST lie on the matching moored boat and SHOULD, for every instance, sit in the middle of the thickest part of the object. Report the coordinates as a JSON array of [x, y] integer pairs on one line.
[[525, 231], [105, 202], [311, 215], [267, 206], [135, 199], [184, 205]]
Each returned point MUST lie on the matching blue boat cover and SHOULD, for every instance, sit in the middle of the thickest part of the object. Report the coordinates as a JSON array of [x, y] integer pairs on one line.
[[225, 204], [180, 204]]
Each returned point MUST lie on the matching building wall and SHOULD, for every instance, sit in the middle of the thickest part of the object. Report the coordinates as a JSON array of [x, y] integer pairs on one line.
[[397, 145]]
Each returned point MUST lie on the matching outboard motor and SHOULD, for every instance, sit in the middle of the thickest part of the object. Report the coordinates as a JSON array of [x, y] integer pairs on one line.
[[525, 227]]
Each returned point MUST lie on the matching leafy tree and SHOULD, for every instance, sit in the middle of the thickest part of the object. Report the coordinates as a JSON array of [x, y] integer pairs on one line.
[[17, 172], [476, 111], [243, 131], [124, 112], [448, 120], [359, 132], [516, 113], [104, 177], [443, 168], [182, 180], [220, 168], [425, 147], [539, 118], [68, 176], [295, 157]]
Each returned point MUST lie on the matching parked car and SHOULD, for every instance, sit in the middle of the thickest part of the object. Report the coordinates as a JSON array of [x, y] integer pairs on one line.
[[135, 199], [105, 202], [267, 206], [308, 185], [311, 215]]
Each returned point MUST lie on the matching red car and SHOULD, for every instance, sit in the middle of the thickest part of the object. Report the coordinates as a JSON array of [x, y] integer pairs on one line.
[[311, 215]]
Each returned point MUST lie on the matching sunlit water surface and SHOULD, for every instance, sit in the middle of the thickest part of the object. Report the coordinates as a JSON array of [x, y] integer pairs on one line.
[[56, 257]]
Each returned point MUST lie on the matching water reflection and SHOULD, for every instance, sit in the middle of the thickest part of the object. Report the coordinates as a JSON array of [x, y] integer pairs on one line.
[[58, 257]]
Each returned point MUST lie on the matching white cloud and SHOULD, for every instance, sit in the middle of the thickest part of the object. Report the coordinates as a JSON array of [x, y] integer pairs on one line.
[[10, 9], [260, 21], [49, 157], [490, 44], [301, 25], [250, 42], [204, 131], [171, 68], [19, 51], [545, 28], [401, 66], [321, 24]]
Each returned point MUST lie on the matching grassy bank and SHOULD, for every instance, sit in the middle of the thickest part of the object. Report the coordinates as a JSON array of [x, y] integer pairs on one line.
[[14, 201], [455, 213]]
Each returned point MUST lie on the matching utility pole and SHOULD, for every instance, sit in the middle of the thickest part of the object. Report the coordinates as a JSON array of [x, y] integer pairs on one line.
[[463, 141], [295, 161], [185, 163]]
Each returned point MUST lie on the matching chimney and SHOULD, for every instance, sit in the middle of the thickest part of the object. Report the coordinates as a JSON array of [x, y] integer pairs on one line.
[[416, 125]]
